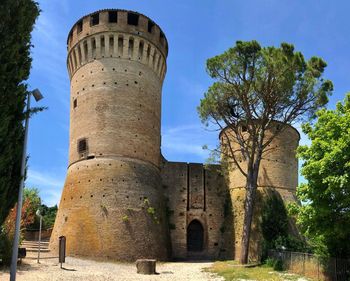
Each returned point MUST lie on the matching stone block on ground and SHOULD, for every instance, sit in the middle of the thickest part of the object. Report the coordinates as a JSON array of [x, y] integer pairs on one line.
[[146, 266]]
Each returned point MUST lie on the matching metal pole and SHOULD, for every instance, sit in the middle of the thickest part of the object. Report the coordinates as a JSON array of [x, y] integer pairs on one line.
[[41, 218], [20, 197]]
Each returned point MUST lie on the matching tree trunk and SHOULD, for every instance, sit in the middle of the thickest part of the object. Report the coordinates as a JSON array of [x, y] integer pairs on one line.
[[251, 187]]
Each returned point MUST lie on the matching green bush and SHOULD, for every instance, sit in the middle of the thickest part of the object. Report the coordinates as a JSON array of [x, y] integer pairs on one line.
[[278, 265], [5, 247], [270, 262]]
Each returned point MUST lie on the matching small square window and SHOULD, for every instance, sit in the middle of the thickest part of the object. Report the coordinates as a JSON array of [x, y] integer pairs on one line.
[[113, 16], [133, 19], [82, 145], [79, 26], [95, 19]]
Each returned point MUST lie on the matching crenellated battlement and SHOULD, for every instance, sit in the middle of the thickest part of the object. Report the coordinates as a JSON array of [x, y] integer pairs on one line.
[[109, 44], [116, 20]]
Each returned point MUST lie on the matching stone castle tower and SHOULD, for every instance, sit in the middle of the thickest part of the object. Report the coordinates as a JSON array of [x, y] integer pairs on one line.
[[112, 199], [121, 198]]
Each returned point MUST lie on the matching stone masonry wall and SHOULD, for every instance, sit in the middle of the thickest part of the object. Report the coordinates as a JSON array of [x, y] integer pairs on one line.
[[278, 171], [196, 192]]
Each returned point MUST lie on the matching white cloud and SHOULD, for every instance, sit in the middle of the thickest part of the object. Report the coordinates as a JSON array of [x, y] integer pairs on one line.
[[185, 142], [50, 185]]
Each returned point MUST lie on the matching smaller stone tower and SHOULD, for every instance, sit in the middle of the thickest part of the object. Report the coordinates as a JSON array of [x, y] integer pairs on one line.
[[278, 173], [112, 203]]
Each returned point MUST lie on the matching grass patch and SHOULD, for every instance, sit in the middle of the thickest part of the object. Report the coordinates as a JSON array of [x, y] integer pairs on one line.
[[230, 270]]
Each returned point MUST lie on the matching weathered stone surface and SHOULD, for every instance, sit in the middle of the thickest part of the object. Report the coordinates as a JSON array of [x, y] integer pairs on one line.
[[278, 172], [146, 266], [112, 204]]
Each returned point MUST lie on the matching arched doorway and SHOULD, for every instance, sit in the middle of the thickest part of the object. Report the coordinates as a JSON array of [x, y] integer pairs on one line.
[[195, 236]]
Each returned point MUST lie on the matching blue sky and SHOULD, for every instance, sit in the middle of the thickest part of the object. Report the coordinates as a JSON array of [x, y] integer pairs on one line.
[[196, 30]]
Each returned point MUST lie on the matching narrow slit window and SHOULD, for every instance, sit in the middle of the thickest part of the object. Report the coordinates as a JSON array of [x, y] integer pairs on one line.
[[133, 19], [120, 46], [148, 52], [113, 17], [85, 50], [95, 19], [154, 60], [141, 50], [93, 43], [75, 103], [131, 47], [150, 26], [103, 48], [75, 59], [82, 145], [79, 26], [79, 55], [158, 64], [111, 44]]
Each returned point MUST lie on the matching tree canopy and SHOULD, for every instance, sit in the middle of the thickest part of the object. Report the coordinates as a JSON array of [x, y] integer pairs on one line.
[[255, 86], [16, 24], [324, 216]]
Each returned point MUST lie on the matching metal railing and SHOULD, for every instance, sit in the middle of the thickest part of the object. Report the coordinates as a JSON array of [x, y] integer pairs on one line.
[[332, 269]]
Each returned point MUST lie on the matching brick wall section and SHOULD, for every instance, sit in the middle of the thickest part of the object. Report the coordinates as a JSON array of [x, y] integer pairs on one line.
[[278, 171], [196, 192], [174, 180]]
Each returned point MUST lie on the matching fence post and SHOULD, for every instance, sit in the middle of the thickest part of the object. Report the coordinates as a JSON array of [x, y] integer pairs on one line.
[[318, 269], [304, 264], [335, 271]]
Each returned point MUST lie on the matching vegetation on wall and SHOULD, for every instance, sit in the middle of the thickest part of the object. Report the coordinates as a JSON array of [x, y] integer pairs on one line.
[[274, 227], [324, 215], [253, 87], [17, 21]]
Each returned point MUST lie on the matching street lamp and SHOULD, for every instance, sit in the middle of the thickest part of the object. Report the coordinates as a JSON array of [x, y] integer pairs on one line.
[[37, 96], [41, 220]]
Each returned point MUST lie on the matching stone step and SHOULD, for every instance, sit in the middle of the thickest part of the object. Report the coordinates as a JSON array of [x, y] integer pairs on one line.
[[36, 250], [33, 246], [35, 243]]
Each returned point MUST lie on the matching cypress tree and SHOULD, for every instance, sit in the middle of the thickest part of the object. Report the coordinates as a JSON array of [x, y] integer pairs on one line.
[[17, 19]]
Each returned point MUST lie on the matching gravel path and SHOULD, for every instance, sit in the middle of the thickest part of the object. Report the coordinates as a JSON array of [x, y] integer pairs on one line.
[[81, 269]]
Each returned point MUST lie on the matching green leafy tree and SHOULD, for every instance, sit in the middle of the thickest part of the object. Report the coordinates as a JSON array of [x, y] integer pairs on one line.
[[253, 87], [324, 216], [32, 194], [17, 20], [49, 215]]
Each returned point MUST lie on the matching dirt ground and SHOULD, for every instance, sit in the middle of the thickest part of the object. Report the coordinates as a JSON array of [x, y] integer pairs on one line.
[[83, 269]]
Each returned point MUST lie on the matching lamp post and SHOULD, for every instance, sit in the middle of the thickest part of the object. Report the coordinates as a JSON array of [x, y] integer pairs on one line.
[[37, 96], [41, 220]]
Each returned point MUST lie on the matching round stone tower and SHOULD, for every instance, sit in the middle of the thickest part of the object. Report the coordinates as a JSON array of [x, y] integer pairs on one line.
[[112, 204], [278, 173]]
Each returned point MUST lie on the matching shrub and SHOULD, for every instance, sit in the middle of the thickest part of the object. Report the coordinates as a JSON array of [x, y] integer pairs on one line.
[[278, 265], [5, 247], [270, 262]]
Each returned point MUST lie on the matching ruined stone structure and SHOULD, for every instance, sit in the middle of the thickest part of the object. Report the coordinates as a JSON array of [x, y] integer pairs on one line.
[[121, 198]]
